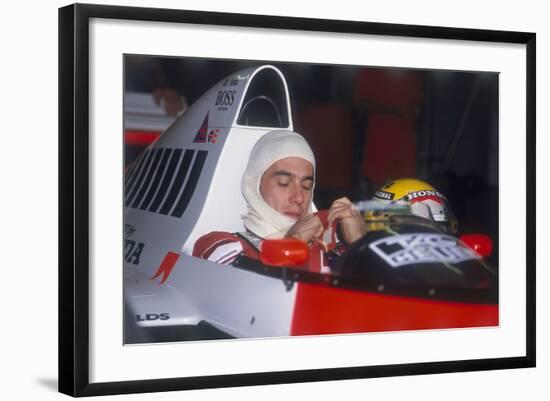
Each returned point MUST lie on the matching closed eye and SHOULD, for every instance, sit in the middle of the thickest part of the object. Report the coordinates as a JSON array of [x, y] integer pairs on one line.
[[307, 184], [282, 181]]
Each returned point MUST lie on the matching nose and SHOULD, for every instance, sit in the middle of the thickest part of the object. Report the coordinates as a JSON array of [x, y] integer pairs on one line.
[[298, 195]]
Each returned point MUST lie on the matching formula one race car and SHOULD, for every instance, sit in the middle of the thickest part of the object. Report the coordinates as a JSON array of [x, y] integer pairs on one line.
[[404, 274]]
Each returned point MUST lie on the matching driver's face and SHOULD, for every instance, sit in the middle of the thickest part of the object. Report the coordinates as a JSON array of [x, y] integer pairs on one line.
[[287, 186]]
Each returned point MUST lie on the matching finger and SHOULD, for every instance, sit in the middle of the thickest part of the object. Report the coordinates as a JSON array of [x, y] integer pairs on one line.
[[342, 205], [342, 201], [339, 213], [320, 230], [337, 202], [305, 218], [335, 207], [322, 244], [307, 227], [316, 229]]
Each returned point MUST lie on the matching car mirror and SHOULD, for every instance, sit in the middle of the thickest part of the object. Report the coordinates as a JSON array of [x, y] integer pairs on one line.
[[480, 243], [284, 252]]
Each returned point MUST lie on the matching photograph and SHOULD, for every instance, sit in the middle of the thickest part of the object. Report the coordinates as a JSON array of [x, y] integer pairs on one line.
[[271, 199], [290, 199]]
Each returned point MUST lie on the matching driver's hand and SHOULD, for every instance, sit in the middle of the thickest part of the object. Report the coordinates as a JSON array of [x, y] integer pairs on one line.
[[308, 229], [352, 224]]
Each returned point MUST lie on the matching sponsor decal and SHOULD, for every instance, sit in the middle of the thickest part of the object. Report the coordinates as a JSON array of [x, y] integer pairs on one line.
[[161, 189], [147, 178], [166, 266], [225, 97], [407, 249], [154, 183], [132, 251], [138, 177], [201, 133], [233, 81], [426, 194], [190, 184], [213, 135], [384, 195], [148, 317]]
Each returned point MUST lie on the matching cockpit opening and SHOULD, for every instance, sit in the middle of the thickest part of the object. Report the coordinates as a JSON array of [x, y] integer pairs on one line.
[[265, 103]]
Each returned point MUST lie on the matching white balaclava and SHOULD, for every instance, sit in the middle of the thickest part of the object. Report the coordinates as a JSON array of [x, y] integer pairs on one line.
[[261, 218]]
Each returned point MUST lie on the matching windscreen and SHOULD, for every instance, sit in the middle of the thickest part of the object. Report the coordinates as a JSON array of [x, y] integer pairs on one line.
[[265, 103]]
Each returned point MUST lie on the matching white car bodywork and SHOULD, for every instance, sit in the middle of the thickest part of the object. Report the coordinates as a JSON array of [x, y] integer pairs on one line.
[[187, 184]]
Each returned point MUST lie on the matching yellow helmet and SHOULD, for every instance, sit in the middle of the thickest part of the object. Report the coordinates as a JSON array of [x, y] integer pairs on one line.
[[423, 200]]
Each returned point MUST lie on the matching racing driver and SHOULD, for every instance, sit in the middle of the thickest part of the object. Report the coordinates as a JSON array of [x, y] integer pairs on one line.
[[277, 186]]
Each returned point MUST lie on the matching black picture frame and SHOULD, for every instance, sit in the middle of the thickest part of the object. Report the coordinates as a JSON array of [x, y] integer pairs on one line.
[[74, 193]]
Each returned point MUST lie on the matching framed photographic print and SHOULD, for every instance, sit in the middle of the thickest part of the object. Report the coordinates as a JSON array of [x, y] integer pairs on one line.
[[231, 204]]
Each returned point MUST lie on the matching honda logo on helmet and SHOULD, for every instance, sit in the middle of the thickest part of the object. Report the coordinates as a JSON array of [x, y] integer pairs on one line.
[[422, 194]]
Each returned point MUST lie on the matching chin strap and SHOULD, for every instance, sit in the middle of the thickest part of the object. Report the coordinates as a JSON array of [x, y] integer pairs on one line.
[[320, 253], [329, 237]]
